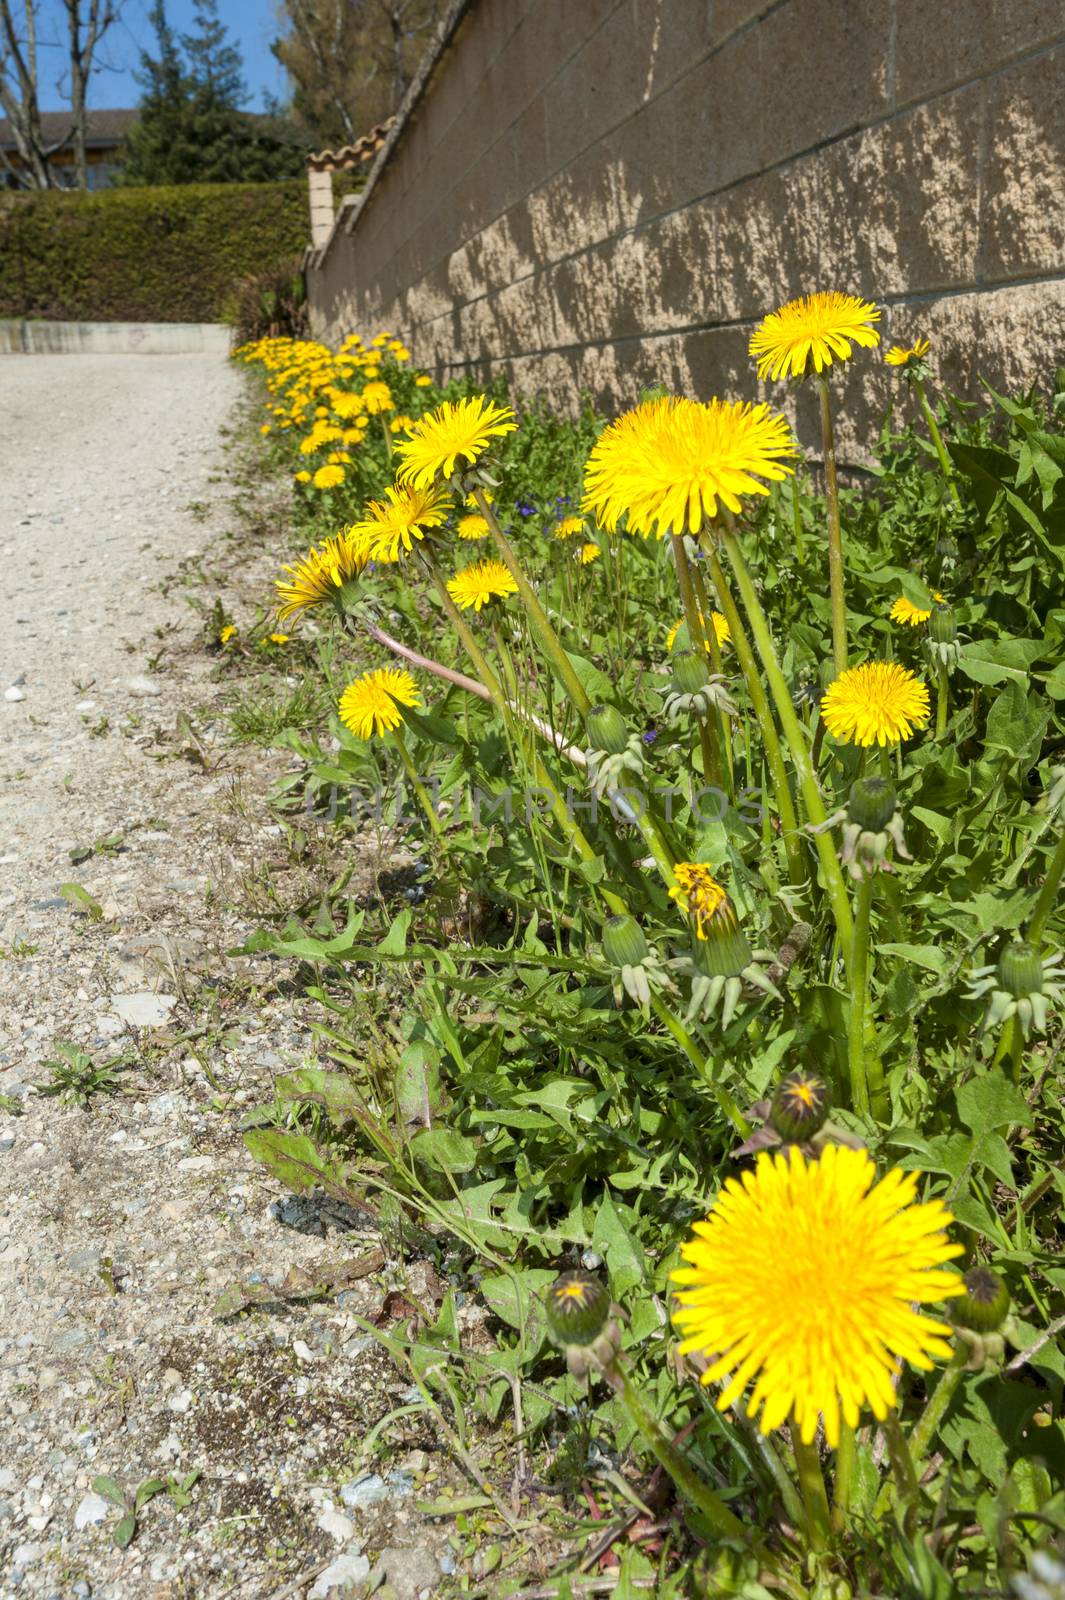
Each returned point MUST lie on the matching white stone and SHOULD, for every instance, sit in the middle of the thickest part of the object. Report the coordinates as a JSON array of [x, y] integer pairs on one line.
[[351, 1567], [144, 1009], [14, 693], [94, 1508], [144, 688]]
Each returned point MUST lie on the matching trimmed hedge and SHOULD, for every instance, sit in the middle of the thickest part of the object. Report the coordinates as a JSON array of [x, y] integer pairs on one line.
[[144, 255]]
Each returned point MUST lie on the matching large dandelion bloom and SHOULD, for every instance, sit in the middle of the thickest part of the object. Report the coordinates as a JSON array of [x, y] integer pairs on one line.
[[819, 328], [668, 463], [395, 524], [328, 477], [877, 703], [479, 584], [456, 430], [804, 1278], [320, 574], [371, 704], [377, 397]]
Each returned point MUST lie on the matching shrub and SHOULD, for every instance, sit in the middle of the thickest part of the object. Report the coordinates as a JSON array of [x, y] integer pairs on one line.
[[144, 255]]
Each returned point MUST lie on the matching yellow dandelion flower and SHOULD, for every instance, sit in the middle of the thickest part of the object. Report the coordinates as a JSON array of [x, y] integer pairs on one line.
[[371, 704], [473, 527], [805, 1277], [666, 464], [588, 553], [398, 352], [818, 327], [701, 897], [721, 630], [321, 411], [226, 633], [348, 406], [280, 638], [264, 428], [456, 430], [320, 574], [423, 380], [904, 610], [392, 526], [353, 435], [902, 355], [480, 583], [401, 424], [377, 397], [303, 477], [876, 703], [569, 527], [487, 495], [328, 477]]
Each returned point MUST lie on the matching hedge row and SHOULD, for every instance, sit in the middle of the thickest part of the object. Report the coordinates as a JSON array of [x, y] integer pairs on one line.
[[143, 255]]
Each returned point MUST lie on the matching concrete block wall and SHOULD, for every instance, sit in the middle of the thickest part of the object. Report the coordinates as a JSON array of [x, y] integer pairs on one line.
[[597, 194]]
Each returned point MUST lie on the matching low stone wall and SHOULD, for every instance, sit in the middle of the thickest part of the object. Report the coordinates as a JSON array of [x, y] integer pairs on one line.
[[599, 195], [113, 338]]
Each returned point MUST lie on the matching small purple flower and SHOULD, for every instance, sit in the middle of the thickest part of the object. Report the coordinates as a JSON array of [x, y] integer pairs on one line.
[[650, 736], [524, 509]]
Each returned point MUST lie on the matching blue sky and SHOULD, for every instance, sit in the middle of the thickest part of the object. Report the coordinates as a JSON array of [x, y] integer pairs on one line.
[[252, 25]]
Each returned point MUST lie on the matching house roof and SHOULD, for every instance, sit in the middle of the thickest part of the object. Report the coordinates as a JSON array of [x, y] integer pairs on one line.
[[103, 129], [347, 156]]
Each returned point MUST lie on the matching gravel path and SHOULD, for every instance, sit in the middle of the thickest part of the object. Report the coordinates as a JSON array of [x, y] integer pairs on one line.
[[121, 1223]]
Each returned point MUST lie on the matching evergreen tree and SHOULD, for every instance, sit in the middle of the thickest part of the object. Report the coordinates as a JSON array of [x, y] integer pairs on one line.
[[191, 127]]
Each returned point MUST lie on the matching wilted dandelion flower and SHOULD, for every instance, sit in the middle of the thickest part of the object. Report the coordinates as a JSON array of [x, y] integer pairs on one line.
[[666, 464], [904, 610], [817, 329], [392, 526], [456, 431], [475, 586], [804, 1278], [371, 705], [589, 553], [721, 630], [472, 527], [328, 477], [318, 575], [701, 897], [901, 355], [876, 703]]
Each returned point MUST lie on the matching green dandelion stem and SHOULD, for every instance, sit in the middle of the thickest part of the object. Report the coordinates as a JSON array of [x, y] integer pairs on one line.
[[716, 666], [545, 633], [698, 1494], [843, 1479], [816, 814], [902, 1461], [937, 439], [1048, 894], [859, 997], [927, 1425], [415, 782], [701, 1064], [812, 1484], [387, 431], [796, 519], [942, 700], [764, 1448], [789, 823], [697, 637], [835, 537]]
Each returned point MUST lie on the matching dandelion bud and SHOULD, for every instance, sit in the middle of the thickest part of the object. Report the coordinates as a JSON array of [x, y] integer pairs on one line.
[[689, 672], [800, 1106], [942, 627], [623, 942], [985, 1303], [582, 1319], [1020, 970], [871, 804], [606, 730]]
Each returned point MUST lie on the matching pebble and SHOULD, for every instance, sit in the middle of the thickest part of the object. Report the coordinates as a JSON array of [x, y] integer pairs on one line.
[[14, 693], [93, 1509], [336, 1525], [144, 688], [351, 1567], [7, 1140], [144, 1009]]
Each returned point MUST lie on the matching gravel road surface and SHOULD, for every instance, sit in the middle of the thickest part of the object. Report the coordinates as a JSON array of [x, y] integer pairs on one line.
[[121, 1222]]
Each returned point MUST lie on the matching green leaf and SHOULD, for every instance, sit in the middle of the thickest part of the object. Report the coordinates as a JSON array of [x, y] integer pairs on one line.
[[612, 1237], [147, 1491], [82, 900], [124, 1530], [445, 1150], [596, 685], [515, 1298], [930, 956], [991, 1101], [110, 1489]]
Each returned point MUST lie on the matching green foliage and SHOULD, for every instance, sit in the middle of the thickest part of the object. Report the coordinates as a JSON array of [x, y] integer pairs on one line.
[[76, 1077], [495, 1084], [143, 255]]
